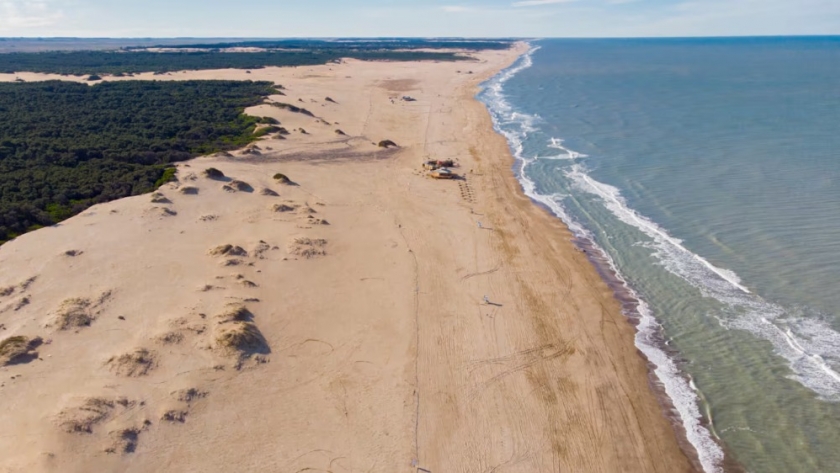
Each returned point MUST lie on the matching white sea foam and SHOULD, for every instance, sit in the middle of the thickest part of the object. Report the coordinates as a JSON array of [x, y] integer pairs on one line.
[[567, 153], [616, 204], [516, 126], [809, 346]]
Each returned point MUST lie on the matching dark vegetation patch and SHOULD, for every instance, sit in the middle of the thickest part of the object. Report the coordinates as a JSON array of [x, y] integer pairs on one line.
[[188, 190], [124, 440], [267, 130], [214, 173], [387, 144], [189, 395], [238, 186], [359, 44], [292, 108], [306, 53], [133, 364], [228, 250], [175, 415], [19, 349], [282, 178], [66, 146]]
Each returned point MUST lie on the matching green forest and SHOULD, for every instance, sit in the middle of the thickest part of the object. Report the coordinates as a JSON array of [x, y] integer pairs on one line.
[[350, 44], [125, 62], [66, 146]]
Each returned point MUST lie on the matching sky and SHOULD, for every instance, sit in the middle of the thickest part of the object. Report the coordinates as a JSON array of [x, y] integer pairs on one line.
[[404, 18]]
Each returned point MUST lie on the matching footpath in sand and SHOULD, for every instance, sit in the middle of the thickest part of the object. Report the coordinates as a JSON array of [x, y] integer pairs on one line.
[[330, 323]]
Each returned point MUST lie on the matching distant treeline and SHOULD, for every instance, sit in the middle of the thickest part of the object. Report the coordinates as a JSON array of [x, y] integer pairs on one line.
[[383, 44], [65, 146], [130, 62]]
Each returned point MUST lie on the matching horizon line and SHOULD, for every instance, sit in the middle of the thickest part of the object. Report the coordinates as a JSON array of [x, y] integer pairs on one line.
[[496, 38]]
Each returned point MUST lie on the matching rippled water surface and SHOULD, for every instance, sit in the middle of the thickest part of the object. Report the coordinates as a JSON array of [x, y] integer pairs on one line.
[[708, 171]]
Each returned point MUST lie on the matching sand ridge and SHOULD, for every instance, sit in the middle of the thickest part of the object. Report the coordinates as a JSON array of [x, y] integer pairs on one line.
[[331, 319]]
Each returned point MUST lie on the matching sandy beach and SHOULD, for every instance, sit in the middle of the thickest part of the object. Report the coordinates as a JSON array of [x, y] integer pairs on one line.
[[333, 323]]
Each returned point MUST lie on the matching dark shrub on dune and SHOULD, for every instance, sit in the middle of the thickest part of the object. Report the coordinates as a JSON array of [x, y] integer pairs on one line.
[[292, 108], [387, 144], [213, 173]]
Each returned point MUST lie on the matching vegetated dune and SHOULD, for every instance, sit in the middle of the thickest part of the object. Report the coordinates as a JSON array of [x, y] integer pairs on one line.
[[137, 362], [87, 414], [78, 312], [158, 198], [307, 247], [213, 173], [285, 207], [188, 190], [228, 250], [19, 349], [244, 333], [237, 186]]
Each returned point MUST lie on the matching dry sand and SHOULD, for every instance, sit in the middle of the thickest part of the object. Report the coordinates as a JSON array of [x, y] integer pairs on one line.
[[333, 324]]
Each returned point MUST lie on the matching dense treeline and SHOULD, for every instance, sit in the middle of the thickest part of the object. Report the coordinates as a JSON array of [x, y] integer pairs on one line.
[[124, 62], [354, 44], [102, 44], [66, 146]]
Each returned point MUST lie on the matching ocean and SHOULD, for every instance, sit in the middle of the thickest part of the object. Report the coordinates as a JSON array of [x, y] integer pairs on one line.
[[706, 174]]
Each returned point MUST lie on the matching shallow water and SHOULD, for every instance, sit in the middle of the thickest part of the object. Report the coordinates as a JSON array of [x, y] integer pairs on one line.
[[708, 171]]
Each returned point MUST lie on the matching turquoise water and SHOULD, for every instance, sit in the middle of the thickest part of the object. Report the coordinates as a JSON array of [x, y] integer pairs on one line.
[[708, 172]]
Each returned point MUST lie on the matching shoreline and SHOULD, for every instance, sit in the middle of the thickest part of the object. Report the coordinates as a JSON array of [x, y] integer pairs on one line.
[[630, 303], [626, 298], [379, 352], [648, 337]]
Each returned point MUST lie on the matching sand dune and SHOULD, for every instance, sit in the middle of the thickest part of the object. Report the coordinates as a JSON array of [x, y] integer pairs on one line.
[[331, 321]]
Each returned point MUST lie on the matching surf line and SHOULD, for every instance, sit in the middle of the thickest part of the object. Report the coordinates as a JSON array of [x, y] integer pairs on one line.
[[797, 347], [648, 226], [677, 390], [786, 343]]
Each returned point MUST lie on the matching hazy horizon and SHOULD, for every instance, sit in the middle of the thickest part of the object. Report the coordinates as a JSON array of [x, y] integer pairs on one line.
[[403, 18], [467, 38]]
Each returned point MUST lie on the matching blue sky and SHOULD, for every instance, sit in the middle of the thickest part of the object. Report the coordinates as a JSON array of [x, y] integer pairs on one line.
[[334, 18]]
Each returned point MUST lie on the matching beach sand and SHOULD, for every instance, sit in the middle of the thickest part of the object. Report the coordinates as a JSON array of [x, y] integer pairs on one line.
[[335, 323]]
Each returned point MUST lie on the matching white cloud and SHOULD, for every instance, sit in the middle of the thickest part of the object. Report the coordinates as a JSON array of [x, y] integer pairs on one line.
[[20, 14], [747, 17], [534, 3], [455, 9]]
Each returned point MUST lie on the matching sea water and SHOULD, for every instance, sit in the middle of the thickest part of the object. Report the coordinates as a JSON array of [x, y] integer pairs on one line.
[[707, 171]]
